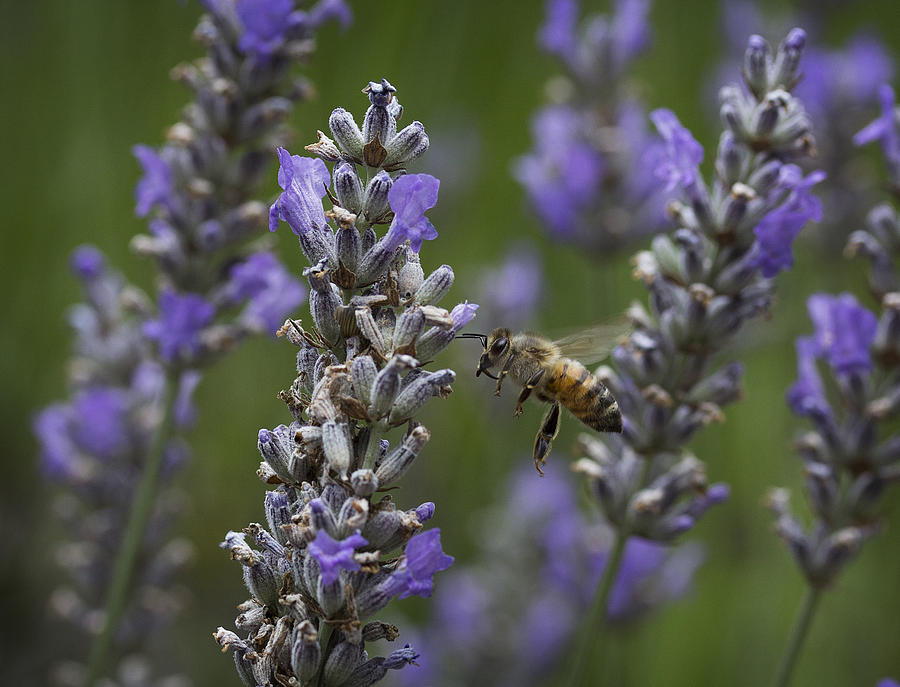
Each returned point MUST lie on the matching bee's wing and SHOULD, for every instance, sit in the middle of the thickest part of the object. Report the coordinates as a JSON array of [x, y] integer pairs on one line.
[[592, 345]]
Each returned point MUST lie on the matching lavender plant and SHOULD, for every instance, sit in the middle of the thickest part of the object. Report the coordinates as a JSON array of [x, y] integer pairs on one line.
[[706, 279], [530, 579], [585, 176], [335, 552], [838, 87], [852, 453], [120, 435]]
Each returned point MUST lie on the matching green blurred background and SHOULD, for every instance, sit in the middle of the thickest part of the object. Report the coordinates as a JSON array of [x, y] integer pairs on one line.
[[83, 81]]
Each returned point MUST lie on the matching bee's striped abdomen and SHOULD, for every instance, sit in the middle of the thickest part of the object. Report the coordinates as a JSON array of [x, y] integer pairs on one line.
[[586, 397]]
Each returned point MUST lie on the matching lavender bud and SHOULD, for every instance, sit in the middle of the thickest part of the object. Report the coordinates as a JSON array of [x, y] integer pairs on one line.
[[364, 482], [259, 118], [262, 582], [417, 394], [306, 365], [369, 239], [341, 662], [387, 383], [411, 275], [347, 134], [436, 286], [399, 460], [757, 61], [409, 326], [374, 631], [378, 123], [375, 261], [348, 248], [411, 142], [325, 148], [336, 444], [375, 205], [331, 598], [784, 71], [766, 116], [323, 302], [353, 516], [305, 652], [348, 188], [380, 528], [732, 160], [370, 330], [278, 513], [275, 455]]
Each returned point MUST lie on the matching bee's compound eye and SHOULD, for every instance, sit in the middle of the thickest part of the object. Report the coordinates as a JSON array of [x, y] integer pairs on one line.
[[500, 345]]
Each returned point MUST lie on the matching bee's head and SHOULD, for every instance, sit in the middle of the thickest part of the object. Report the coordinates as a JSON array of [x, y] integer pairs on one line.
[[496, 346]]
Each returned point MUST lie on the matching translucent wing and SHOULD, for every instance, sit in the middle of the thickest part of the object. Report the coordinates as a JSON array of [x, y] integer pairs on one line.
[[594, 344]]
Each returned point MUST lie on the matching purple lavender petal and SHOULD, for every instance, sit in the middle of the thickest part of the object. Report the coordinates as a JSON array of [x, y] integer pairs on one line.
[[410, 196], [266, 24], [462, 314], [424, 557], [630, 30], [776, 232], [51, 427], [100, 421], [807, 394], [335, 555], [304, 180], [271, 293], [181, 320], [157, 185], [557, 34], [87, 262], [683, 153], [326, 10], [844, 331]]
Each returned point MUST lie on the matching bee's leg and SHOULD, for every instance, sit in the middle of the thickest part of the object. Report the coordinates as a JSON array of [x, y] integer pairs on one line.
[[526, 390], [545, 436], [503, 373]]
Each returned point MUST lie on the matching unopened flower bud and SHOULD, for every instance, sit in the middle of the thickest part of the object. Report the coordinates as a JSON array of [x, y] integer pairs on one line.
[[341, 662], [348, 188], [410, 143], [401, 458], [364, 483], [336, 444], [436, 286], [375, 205], [417, 394], [347, 134], [305, 652]]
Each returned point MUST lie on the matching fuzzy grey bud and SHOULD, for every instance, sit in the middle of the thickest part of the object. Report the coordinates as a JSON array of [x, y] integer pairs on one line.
[[409, 326], [341, 662], [336, 444], [305, 652], [324, 148], [436, 286], [413, 397], [331, 597], [787, 61], [364, 483], [387, 383], [276, 453], [410, 276], [410, 143], [401, 458], [346, 134], [375, 205], [348, 188], [348, 246]]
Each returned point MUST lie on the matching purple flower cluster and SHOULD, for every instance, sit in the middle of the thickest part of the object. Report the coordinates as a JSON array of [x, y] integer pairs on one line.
[[706, 279], [135, 363], [512, 290], [585, 178], [850, 455], [528, 585], [333, 554]]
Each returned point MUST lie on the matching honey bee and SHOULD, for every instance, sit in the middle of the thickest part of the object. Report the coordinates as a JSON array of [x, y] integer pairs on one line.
[[549, 370]]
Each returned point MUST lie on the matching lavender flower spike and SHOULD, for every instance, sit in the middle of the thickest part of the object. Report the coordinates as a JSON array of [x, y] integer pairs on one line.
[[705, 281], [336, 551], [118, 440]]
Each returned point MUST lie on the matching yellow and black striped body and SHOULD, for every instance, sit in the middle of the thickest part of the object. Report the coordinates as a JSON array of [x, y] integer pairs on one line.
[[585, 396]]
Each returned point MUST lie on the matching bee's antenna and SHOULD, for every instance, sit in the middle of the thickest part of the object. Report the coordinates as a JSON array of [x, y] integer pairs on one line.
[[470, 335]]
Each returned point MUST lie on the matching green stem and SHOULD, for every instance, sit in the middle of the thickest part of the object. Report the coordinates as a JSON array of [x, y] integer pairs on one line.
[[797, 637], [141, 509], [594, 623]]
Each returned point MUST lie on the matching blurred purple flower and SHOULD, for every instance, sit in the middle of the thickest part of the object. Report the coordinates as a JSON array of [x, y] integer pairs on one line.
[[304, 180], [184, 411], [807, 395], [51, 427], [462, 314], [335, 555], [99, 421], [844, 331], [776, 231], [410, 196], [630, 30], [514, 287], [326, 10], [564, 174], [269, 289], [87, 262], [266, 24], [157, 185], [424, 557], [181, 319], [683, 154], [885, 129], [557, 34]]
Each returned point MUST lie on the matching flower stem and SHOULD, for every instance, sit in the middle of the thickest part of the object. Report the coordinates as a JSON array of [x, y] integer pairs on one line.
[[594, 623], [141, 509], [797, 637]]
